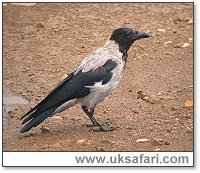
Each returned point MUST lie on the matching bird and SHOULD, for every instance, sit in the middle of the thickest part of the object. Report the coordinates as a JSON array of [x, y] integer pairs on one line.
[[94, 79]]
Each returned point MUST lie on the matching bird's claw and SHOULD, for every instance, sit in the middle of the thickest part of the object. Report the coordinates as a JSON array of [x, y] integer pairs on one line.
[[89, 125], [103, 128]]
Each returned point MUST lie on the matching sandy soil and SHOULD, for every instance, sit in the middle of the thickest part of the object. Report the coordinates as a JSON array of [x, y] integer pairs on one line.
[[42, 42]]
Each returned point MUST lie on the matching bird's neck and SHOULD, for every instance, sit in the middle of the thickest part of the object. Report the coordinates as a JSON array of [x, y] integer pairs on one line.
[[118, 47]]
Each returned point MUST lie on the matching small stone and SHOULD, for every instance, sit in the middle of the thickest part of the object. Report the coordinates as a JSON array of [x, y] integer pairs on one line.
[[169, 53], [167, 43], [157, 149], [188, 116], [146, 98], [156, 142], [189, 21], [57, 118], [161, 30], [186, 45], [153, 99], [135, 111], [169, 130], [188, 104], [105, 111], [166, 98], [142, 140], [190, 39], [24, 4], [174, 31], [39, 25], [189, 130], [177, 46], [79, 142], [63, 77], [160, 140], [140, 95], [45, 129], [167, 143]]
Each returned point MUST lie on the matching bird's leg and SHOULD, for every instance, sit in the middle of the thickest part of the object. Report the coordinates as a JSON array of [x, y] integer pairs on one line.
[[90, 114]]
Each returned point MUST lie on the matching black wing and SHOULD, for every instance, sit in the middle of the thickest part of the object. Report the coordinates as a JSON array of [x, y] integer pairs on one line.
[[71, 87]]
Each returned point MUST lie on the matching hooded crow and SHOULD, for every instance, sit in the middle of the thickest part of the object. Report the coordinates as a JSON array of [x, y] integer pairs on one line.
[[90, 83]]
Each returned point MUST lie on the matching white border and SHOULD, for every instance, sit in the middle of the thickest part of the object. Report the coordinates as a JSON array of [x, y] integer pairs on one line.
[[197, 94], [121, 158]]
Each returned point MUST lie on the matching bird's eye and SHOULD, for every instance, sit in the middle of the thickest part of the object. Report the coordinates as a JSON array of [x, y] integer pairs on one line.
[[135, 32]]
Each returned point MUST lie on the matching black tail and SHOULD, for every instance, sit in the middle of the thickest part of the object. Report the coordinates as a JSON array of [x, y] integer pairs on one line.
[[46, 107], [36, 118]]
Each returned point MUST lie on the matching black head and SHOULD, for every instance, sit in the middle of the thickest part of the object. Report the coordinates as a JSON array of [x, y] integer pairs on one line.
[[125, 37]]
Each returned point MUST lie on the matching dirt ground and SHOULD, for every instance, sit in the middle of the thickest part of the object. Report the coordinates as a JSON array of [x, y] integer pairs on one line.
[[42, 42]]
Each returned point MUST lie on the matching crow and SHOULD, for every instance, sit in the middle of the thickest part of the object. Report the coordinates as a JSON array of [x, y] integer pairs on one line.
[[90, 83]]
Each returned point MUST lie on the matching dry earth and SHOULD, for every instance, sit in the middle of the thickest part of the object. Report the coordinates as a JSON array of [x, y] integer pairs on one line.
[[42, 42]]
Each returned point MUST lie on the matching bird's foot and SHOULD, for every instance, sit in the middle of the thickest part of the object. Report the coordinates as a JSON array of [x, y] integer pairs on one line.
[[89, 125], [104, 127]]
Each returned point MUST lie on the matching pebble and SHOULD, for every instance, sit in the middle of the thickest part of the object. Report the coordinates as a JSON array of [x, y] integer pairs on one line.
[[151, 99], [39, 25], [169, 130], [174, 31], [190, 39], [188, 104], [45, 129], [157, 149], [24, 4], [167, 143], [189, 130], [186, 45], [161, 30], [57, 117], [167, 43], [167, 98], [142, 140], [189, 21], [135, 110], [160, 140], [80, 141], [156, 142], [188, 116]]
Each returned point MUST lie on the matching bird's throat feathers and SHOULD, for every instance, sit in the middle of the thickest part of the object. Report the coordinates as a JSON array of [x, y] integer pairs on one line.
[[116, 47]]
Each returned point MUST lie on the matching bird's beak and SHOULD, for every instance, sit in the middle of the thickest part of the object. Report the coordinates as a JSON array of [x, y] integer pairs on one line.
[[142, 35]]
